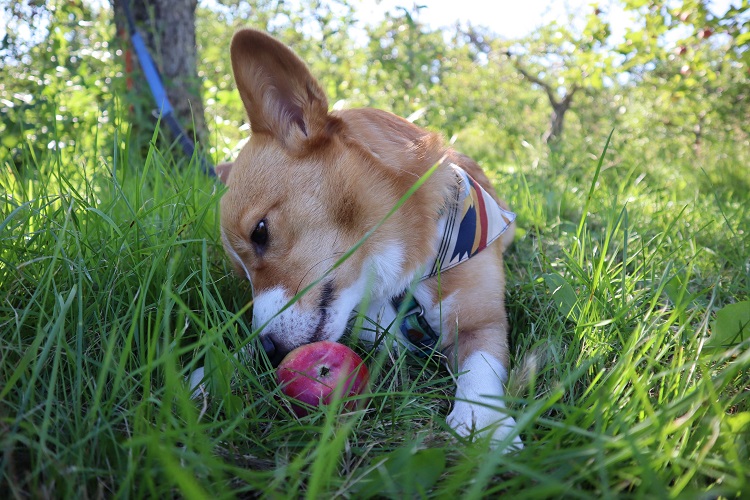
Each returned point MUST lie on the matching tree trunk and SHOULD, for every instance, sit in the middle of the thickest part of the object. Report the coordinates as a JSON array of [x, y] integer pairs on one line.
[[168, 28], [557, 117], [698, 131], [559, 107]]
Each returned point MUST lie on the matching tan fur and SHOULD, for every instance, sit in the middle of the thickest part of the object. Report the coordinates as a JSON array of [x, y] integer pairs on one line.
[[321, 180], [346, 171]]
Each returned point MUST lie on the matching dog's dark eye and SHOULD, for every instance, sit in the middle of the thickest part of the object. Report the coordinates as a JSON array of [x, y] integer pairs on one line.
[[259, 236]]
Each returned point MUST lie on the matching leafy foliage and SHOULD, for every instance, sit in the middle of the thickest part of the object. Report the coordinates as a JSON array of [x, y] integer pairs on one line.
[[627, 287], [60, 90]]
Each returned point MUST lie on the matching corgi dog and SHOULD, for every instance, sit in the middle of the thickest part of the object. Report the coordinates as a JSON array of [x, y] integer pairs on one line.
[[311, 183]]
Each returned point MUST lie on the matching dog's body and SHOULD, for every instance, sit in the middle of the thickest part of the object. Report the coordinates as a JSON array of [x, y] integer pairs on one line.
[[308, 186]]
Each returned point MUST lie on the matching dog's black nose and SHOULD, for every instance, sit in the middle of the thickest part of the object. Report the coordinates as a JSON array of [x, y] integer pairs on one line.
[[268, 345], [274, 351]]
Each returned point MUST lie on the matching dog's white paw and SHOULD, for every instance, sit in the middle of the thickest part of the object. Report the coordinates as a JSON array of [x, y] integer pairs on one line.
[[467, 419], [478, 409]]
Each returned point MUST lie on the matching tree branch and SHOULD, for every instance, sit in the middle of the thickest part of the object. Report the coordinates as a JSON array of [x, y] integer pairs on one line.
[[534, 79], [569, 96]]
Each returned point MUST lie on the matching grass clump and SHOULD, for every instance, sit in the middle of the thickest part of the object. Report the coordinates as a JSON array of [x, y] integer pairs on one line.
[[626, 295]]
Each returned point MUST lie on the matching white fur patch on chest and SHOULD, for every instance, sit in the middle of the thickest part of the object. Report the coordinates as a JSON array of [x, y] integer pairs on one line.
[[385, 271]]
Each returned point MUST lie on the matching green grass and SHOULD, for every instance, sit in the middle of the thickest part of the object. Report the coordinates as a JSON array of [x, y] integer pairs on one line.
[[114, 286]]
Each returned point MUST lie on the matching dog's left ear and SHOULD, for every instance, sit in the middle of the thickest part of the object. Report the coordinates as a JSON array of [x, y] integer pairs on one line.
[[222, 171], [281, 97]]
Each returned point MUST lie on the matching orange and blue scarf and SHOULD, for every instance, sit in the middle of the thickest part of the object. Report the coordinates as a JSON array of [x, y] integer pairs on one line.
[[470, 223]]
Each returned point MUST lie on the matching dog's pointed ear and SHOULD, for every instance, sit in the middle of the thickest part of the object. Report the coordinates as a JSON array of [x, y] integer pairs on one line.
[[222, 171], [281, 96]]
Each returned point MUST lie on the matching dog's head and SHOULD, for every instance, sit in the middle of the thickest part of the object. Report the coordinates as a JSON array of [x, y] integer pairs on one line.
[[307, 186]]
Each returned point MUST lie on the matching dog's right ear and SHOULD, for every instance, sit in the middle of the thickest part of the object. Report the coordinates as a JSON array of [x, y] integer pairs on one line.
[[280, 95], [222, 171]]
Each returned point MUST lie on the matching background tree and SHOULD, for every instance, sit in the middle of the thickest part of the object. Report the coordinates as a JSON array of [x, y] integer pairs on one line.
[[318, 31], [401, 46], [168, 27], [680, 76], [55, 62], [562, 59], [693, 64]]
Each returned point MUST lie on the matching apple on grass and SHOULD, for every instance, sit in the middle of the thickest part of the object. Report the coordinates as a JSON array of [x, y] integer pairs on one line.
[[316, 373]]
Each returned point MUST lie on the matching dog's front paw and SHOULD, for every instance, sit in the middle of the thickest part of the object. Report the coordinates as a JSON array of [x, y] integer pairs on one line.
[[467, 419], [478, 410]]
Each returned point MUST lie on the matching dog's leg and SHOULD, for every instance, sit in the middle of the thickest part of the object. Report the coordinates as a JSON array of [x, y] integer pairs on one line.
[[478, 407]]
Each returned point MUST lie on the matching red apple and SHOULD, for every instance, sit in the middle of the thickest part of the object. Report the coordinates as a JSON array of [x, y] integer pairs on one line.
[[315, 373], [705, 33]]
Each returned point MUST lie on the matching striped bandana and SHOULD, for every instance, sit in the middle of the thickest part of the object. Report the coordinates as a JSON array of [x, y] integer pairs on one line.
[[468, 225]]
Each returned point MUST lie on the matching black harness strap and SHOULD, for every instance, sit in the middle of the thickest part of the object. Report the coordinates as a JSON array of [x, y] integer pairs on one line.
[[414, 326]]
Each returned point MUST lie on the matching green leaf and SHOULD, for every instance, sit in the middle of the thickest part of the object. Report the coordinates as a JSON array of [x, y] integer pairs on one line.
[[220, 370], [732, 326], [405, 473], [739, 422], [676, 287], [742, 39], [739, 428], [563, 295], [595, 80], [107, 219]]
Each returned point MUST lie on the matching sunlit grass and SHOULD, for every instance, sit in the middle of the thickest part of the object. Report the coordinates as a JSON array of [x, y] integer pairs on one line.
[[114, 286]]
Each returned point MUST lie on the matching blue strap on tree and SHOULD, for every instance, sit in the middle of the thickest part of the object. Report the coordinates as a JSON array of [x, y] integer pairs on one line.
[[163, 106], [151, 74]]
